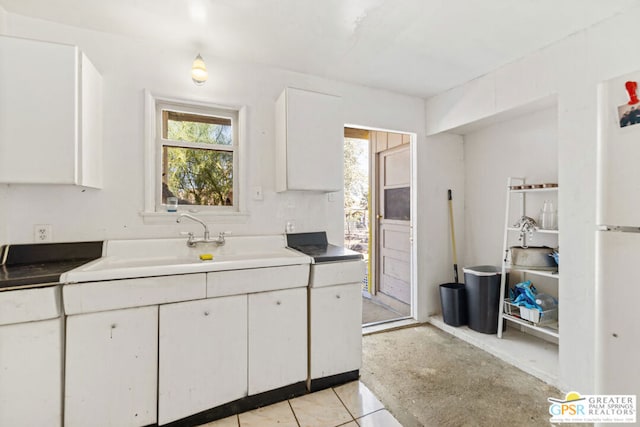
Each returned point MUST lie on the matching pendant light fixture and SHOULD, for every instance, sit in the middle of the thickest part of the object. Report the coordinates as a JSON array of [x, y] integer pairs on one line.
[[199, 71]]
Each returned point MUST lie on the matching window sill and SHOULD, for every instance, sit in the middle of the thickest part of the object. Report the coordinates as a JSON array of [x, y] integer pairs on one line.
[[164, 218]]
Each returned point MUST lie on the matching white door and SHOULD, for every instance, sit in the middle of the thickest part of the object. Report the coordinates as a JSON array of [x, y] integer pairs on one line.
[[335, 322], [31, 374], [203, 355], [111, 368], [277, 339], [394, 223]]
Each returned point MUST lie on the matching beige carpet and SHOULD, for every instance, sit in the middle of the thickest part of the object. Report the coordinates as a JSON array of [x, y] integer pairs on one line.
[[426, 377]]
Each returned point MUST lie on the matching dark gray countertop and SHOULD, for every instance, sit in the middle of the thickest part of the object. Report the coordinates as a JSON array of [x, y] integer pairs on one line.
[[316, 246], [30, 265]]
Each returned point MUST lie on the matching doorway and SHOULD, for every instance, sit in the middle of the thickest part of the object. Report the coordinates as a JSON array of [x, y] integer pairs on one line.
[[377, 198]]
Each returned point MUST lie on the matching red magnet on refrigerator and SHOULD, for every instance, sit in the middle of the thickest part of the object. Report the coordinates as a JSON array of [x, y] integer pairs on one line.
[[632, 87]]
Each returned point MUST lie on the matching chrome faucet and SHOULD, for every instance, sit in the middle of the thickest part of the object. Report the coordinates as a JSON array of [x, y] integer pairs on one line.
[[192, 241]]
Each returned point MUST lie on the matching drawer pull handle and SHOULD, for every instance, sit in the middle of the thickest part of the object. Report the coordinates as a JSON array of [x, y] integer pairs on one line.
[[206, 313], [279, 302], [113, 326], [338, 296]]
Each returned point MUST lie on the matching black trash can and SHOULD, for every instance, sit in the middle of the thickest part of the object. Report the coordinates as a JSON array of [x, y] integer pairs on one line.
[[453, 300], [482, 284]]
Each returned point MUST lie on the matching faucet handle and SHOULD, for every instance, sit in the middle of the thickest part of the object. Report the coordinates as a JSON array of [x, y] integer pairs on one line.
[[191, 239]]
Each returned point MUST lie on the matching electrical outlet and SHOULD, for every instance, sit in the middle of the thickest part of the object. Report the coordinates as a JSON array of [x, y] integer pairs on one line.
[[42, 233], [257, 193]]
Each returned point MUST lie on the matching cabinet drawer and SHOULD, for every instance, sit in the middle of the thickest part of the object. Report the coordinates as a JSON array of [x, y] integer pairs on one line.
[[337, 273], [114, 294], [28, 305], [234, 282]]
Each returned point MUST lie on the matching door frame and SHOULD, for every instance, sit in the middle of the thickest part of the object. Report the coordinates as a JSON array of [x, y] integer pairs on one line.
[[373, 205]]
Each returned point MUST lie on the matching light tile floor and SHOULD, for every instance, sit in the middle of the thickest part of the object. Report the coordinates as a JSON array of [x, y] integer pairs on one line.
[[348, 405]]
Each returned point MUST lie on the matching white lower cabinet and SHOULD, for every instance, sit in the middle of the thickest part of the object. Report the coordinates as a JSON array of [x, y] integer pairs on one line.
[[31, 374], [111, 368], [203, 355], [277, 339], [336, 331]]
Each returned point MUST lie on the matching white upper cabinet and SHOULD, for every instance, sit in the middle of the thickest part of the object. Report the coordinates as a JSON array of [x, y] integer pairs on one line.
[[50, 114], [309, 141]]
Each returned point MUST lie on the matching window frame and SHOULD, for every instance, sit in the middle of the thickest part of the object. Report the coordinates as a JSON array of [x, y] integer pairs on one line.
[[154, 209]]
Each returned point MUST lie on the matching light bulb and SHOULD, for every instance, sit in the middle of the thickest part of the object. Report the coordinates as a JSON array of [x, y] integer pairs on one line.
[[199, 71]]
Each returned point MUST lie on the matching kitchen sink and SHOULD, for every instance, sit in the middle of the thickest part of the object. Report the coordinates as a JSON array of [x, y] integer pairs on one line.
[[153, 257]]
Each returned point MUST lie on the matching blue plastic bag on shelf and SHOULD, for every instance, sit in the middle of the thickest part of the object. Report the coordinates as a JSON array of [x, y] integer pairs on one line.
[[524, 295]]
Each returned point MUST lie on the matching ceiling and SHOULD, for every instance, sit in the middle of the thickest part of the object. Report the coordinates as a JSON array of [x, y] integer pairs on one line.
[[416, 47]]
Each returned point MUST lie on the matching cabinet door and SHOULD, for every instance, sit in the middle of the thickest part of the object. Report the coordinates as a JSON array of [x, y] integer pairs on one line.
[[336, 329], [313, 140], [31, 374], [203, 355], [111, 368], [277, 339], [38, 111]]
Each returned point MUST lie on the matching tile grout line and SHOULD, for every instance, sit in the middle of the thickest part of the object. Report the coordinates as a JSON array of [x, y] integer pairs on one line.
[[238, 419], [345, 406], [294, 412], [371, 413]]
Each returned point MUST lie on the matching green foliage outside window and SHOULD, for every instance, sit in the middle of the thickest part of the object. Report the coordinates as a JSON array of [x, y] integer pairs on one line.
[[198, 176]]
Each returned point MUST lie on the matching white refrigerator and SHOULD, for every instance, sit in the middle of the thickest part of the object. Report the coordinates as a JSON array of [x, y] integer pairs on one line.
[[617, 295]]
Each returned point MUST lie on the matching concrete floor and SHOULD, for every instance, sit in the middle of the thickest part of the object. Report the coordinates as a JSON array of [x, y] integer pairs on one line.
[[426, 377]]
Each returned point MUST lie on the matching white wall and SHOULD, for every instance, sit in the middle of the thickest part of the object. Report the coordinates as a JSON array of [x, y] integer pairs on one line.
[[4, 206], [440, 167], [3, 188], [129, 66], [3, 16], [571, 69], [522, 147]]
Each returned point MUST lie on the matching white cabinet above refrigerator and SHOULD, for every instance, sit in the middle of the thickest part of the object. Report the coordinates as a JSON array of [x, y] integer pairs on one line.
[[50, 114]]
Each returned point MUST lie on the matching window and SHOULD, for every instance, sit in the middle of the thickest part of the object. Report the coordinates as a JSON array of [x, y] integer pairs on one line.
[[197, 157]]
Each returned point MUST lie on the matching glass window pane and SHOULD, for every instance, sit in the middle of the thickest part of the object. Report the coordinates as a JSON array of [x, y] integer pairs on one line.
[[197, 176], [397, 203], [196, 128]]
